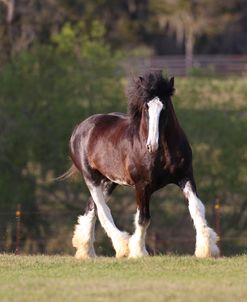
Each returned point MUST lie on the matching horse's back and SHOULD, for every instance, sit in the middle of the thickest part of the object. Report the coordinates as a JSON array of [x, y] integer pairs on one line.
[[106, 131], [97, 121]]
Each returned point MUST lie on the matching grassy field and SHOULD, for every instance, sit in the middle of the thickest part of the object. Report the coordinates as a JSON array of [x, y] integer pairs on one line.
[[166, 278]]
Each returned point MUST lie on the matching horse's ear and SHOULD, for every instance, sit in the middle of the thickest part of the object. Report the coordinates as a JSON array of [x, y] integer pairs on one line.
[[172, 82]]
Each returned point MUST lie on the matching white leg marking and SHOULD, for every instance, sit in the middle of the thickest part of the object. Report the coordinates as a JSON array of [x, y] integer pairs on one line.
[[154, 108], [206, 238], [84, 238], [137, 240], [120, 240]]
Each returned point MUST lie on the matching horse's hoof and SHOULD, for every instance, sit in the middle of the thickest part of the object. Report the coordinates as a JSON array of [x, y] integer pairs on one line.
[[140, 254], [83, 250], [83, 255], [206, 245], [137, 250], [122, 245]]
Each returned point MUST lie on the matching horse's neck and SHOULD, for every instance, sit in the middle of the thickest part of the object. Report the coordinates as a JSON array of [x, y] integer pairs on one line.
[[172, 130], [143, 128]]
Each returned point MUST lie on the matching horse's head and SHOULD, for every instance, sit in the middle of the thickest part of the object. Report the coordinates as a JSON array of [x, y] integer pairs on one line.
[[148, 97]]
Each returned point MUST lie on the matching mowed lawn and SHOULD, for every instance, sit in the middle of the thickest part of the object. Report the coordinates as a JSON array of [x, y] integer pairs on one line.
[[164, 278]]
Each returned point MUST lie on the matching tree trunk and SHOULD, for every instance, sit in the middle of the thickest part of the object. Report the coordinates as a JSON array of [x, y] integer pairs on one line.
[[10, 6], [189, 49]]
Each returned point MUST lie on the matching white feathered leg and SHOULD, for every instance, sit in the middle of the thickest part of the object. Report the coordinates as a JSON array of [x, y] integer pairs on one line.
[[206, 238], [137, 240], [83, 239], [120, 240]]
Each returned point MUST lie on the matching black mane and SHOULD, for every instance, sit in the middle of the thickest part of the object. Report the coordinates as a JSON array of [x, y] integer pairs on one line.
[[144, 88]]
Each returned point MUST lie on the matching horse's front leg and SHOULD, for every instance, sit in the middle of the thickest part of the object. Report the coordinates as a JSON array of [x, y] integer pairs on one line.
[[206, 238], [137, 246]]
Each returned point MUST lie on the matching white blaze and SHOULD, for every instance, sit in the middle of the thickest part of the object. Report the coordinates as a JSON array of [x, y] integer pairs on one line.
[[154, 108]]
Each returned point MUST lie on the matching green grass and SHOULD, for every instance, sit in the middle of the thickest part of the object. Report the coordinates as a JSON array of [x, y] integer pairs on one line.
[[166, 278]]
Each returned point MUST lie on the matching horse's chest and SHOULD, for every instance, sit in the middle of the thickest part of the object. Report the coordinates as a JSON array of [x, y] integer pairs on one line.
[[169, 170], [164, 170]]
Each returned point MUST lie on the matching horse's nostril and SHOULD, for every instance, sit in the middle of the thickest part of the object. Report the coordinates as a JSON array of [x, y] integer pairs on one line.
[[149, 148]]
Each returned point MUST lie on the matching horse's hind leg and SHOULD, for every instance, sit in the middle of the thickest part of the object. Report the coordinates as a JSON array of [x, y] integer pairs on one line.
[[119, 239], [206, 238], [84, 237]]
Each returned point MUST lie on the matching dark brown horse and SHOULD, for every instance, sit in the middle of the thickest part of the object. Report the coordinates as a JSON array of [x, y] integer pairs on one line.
[[146, 149]]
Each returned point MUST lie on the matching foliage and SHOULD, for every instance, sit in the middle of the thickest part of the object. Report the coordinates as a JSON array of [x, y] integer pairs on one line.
[[128, 24], [43, 94]]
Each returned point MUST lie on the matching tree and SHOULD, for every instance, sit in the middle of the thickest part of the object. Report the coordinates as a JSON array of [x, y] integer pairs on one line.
[[44, 93], [24, 23], [10, 6], [189, 19]]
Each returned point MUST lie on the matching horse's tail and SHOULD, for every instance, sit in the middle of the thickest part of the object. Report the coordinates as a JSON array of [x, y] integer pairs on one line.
[[72, 171]]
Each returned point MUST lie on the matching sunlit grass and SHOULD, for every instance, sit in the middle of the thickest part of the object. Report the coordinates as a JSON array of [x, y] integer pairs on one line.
[[163, 278]]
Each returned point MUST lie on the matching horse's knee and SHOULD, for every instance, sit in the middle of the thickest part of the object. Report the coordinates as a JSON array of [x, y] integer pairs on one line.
[[90, 206]]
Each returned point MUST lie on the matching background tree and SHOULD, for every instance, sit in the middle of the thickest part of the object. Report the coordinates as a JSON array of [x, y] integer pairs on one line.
[[9, 6], [189, 19], [44, 93]]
